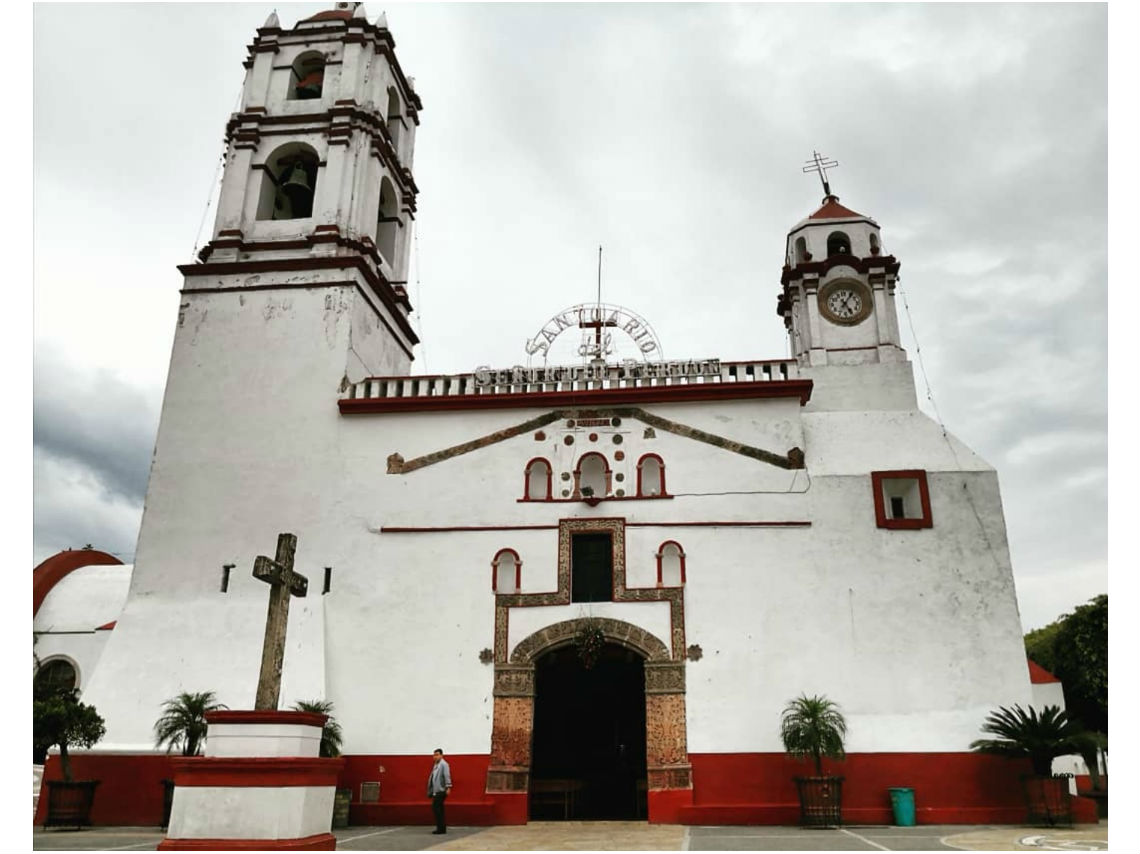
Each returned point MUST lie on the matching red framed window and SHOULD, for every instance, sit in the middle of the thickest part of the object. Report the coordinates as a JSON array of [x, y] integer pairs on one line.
[[536, 481], [650, 476], [593, 473], [506, 572], [902, 499], [670, 564]]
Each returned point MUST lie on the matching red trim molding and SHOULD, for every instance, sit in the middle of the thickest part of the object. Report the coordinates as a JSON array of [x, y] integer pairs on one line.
[[587, 397], [53, 570], [248, 716], [262, 771], [882, 518], [317, 842]]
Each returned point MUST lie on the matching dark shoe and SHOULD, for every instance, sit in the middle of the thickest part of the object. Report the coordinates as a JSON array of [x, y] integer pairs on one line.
[[434, 832]]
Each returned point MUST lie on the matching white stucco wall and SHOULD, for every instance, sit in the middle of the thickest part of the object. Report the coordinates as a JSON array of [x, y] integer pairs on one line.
[[914, 633], [66, 624]]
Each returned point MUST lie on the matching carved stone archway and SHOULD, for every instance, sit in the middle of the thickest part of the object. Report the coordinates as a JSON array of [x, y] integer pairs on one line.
[[512, 730]]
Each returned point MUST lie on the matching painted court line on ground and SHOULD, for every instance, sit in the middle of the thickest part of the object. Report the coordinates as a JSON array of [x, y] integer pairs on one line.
[[864, 839], [374, 833]]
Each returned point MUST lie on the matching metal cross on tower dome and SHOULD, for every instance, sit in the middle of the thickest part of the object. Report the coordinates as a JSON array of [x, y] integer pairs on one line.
[[819, 163]]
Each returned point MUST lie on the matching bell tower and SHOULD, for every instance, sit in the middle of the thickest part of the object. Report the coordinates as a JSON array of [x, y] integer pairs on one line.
[[838, 298], [317, 188]]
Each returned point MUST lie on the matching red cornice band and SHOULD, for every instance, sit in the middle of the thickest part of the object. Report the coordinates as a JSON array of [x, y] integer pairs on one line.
[[261, 771], [317, 842]]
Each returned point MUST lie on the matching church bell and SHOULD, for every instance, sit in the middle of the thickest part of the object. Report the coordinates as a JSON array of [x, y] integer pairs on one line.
[[298, 191]]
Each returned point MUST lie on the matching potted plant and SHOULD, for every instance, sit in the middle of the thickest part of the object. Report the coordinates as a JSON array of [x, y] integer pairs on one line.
[[1040, 738], [60, 720], [814, 728], [182, 726], [331, 739]]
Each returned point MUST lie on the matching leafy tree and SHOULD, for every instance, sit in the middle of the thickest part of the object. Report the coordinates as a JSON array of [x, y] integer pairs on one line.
[[811, 728], [183, 722], [60, 719], [1040, 737], [331, 736], [1075, 649]]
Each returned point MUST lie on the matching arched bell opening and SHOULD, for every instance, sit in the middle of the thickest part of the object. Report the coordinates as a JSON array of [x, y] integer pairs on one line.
[[395, 119], [307, 77], [289, 183], [589, 750], [838, 243], [387, 222]]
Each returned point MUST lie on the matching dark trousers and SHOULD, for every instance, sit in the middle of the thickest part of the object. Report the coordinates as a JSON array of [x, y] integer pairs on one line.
[[437, 809]]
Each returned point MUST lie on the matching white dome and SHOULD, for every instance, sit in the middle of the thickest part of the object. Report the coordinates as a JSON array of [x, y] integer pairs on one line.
[[85, 599]]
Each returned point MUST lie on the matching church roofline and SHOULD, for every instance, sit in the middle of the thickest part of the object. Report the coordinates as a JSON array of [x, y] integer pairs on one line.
[[394, 397]]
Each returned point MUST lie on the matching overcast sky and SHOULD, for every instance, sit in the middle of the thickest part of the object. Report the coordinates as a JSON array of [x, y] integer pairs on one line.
[[672, 135]]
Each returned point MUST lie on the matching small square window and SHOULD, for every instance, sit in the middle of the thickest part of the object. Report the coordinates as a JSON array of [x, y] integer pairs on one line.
[[902, 499]]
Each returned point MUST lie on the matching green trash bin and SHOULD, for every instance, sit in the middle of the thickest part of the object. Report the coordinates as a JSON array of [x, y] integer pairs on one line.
[[902, 802]]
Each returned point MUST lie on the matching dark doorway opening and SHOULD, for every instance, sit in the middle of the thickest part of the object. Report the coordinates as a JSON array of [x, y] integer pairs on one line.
[[588, 758], [591, 568]]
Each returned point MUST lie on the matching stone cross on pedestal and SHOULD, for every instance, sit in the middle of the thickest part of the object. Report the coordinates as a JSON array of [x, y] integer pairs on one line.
[[284, 582]]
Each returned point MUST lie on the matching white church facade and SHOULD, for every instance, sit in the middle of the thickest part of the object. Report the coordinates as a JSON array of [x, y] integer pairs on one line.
[[594, 588]]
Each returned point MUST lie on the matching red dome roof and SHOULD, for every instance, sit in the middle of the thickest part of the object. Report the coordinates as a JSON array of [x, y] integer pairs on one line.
[[831, 209], [49, 573], [330, 15]]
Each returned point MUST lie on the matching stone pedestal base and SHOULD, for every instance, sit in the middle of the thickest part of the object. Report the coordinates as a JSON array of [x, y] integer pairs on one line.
[[260, 786]]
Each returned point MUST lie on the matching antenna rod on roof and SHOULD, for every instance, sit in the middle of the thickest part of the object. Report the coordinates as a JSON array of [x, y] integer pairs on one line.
[[599, 276]]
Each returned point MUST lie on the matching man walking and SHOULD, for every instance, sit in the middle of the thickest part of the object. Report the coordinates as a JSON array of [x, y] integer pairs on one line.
[[439, 784]]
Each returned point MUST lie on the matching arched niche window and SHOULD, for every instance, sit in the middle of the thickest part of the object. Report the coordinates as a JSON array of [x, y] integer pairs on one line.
[[387, 222], [537, 484], [395, 119], [506, 572], [307, 76], [54, 676], [289, 183], [650, 476], [592, 477], [670, 564], [875, 247], [802, 253], [838, 243]]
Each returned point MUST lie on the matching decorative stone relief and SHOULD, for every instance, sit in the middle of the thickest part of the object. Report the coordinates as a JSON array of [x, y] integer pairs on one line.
[[665, 739], [511, 732], [664, 678]]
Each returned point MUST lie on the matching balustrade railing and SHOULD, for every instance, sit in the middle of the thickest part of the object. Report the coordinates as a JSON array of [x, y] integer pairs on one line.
[[523, 381]]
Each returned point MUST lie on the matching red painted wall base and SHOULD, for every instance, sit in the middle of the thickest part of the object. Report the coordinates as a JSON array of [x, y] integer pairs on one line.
[[728, 788], [318, 842]]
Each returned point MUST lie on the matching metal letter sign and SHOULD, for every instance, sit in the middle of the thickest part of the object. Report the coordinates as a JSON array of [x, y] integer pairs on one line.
[[596, 316]]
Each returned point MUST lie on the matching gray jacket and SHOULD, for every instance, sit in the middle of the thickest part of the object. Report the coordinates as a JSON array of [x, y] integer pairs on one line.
[[439, 780]]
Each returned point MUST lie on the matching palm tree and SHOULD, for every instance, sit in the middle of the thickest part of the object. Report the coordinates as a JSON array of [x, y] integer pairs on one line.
[[331, 735], [812, 728], [183, 721], [1041, 737]]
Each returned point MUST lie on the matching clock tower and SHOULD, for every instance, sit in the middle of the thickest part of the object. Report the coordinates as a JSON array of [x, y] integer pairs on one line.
[[838, 298]]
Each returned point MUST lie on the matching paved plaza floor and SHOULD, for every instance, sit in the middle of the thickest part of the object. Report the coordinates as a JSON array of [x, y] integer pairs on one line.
[[641, 836]]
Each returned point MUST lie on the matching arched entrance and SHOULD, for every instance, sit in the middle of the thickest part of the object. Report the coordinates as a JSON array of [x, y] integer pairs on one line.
[[668, 774], [588, 755]]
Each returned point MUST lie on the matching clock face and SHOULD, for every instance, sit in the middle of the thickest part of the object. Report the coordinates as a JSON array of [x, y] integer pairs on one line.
[[845, 303]]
